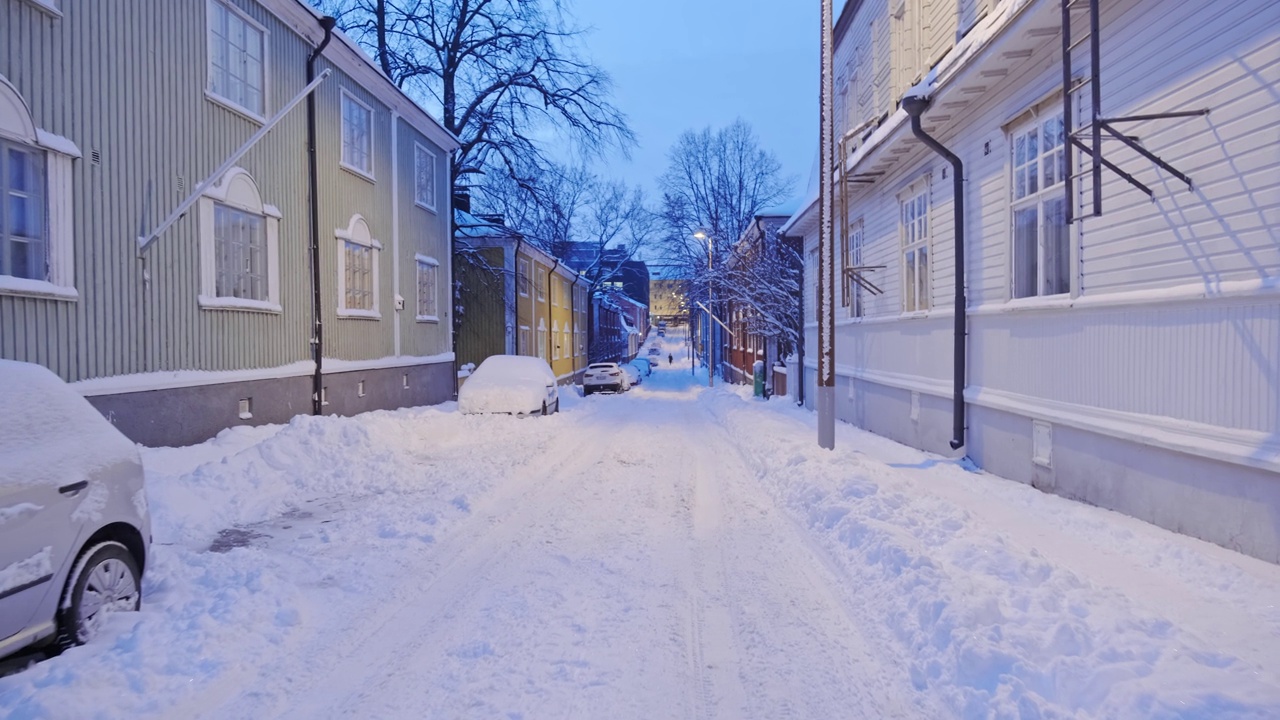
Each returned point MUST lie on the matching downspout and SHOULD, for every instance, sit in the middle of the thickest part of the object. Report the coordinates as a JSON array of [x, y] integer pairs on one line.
[[551, 335], [915, 106], [317, 337], [396, 299], [515, 271]]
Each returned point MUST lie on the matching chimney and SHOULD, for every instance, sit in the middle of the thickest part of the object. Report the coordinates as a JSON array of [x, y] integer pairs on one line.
[[462, 199]]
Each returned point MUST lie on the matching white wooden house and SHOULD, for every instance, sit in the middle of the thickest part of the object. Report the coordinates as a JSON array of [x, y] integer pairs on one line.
[[1122, 341]]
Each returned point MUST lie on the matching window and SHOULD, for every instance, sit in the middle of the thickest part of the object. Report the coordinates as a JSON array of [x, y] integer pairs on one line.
[[566, 342], [524, 341], [555, 340], [813, 280], [542, 284], [357, 136], [424, 177], [915, 248], [1041, 250], [555, 292], [23, 234], [36, 204], [357, 270], [239, 247], [542, 339], [237, 60], [428, 282], [241, 263], [851, 257], [522, 277]]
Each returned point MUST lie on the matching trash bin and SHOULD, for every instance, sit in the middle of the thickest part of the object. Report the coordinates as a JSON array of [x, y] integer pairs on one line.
[[758, 373]]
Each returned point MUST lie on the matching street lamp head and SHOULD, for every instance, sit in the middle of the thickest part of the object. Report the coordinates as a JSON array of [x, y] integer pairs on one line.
[[700, 235]]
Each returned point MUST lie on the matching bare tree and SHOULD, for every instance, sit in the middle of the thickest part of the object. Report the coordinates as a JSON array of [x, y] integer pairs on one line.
[[500, 72], [764, 278], [715, 184]]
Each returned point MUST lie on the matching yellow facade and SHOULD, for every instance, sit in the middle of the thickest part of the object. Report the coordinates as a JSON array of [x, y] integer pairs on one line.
[[551, 313]]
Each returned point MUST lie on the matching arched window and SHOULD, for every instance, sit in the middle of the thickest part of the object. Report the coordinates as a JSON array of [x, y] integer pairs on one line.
[[357, 270], [36, 238], [239, 247]]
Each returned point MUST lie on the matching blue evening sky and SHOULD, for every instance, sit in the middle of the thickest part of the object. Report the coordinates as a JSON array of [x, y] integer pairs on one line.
[[687, 64]]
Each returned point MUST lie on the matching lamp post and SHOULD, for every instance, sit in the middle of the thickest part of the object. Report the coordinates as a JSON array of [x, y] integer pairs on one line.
[[711, 325]]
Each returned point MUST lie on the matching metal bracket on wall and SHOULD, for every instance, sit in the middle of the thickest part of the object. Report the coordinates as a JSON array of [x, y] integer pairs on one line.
[[1088, 139]]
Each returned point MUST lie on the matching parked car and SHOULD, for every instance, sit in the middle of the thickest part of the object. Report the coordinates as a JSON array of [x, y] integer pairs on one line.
[[74, 526], [513, 384], [604, 377], [634, 376], [644, 366], [662, 333], [655, 352]]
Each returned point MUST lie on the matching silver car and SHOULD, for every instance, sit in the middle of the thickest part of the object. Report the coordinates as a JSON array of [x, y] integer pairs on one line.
[[74, 525]]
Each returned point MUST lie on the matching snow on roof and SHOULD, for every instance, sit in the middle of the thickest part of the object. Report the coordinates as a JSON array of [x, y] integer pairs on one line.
[[471, 226], [49, 432]]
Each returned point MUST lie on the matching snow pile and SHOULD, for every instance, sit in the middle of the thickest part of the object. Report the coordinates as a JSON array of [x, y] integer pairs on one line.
[[1032, 613], [49, 433]]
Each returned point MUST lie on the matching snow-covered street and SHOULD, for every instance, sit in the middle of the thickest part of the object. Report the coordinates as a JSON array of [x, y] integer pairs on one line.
[[672, 552]]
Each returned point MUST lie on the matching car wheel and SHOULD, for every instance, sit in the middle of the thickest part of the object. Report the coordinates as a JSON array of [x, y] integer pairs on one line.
[[105, 581]]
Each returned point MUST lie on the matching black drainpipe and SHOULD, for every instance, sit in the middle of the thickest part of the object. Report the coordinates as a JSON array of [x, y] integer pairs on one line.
[[550, 335], [573, 322], [519, 244], [915, 107], [317, 338]]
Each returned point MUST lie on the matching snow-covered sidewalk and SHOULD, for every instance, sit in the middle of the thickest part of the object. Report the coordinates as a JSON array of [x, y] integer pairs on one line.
[[669, 552]]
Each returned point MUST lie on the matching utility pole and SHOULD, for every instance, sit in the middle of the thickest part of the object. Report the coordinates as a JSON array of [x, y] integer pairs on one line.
[[826, 380]]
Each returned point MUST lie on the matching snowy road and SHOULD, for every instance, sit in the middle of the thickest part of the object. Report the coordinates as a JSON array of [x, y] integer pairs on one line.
[[667, 553]]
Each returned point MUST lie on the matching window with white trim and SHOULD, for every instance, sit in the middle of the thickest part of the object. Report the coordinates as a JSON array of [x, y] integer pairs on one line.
[[357, 270], [36, 203], [1041, 244], [542, 284], [357, 135], [24, 251], [851, 257], [424, 177], [524, 341], [555, 340], [914, 229], [522, 277], [428, 285], [239, 247], [237, 59], [566, 342], [542, 339]]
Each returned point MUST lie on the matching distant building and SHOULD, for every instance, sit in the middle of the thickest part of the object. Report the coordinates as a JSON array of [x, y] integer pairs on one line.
[[517, 300]]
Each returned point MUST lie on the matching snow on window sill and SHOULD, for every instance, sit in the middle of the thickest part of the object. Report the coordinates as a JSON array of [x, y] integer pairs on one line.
[[359, 314], [235, 107], [243, 304], [10, 285], [428, 318], [425, 206], [362, 174]]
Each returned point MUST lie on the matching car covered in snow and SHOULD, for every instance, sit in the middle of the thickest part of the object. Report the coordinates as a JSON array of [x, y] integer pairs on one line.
[[654, 351], [605, 377], [513, 384], [634, 375], [643, 365], [74, 526]]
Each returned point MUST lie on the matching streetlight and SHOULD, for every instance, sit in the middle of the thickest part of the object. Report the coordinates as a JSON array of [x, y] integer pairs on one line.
[[711, 326]]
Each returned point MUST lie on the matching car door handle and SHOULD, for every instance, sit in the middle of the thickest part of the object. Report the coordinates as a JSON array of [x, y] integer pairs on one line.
[[74, 487]]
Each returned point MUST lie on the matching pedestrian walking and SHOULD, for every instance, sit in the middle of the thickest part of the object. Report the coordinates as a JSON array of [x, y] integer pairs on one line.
[[669, 358]]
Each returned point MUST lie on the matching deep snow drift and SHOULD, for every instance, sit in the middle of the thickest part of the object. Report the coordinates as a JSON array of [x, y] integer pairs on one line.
[[669, 552]]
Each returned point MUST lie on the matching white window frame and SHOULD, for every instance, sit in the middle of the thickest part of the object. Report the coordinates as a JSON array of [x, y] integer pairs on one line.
[[425, 198], [540, 286], [851, 257], [542, 338], [49, 6], [555, 339], [18, 128], [431, 266], [522, 277], [523, 339], [1037, 120], [209, 92], [357, 232], [237, 190], [915, 235], [346, 163]]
